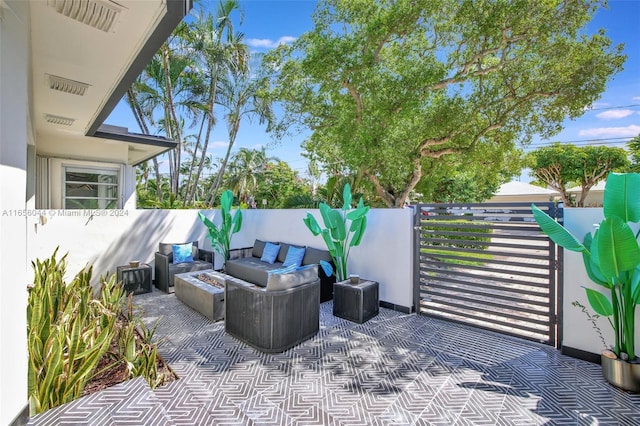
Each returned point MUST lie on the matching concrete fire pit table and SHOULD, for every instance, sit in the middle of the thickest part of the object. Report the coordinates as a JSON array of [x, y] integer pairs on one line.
[[202, 291]]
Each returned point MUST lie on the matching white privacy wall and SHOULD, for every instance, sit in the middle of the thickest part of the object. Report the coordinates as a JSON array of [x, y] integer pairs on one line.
[[577, 331], [107, 239]]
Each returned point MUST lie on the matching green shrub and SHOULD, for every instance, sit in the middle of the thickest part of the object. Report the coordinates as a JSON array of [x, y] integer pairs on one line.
[[70, 331]]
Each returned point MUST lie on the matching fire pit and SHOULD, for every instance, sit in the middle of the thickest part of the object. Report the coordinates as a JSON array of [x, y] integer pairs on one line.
[[202, 291]]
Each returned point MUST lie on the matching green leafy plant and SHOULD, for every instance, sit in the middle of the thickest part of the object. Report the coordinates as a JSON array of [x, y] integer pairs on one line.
[[68, 332], [611, 257], [221, 236], [343, 229]]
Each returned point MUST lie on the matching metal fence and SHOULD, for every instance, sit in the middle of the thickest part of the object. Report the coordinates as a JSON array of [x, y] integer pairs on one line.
[[488, 265]]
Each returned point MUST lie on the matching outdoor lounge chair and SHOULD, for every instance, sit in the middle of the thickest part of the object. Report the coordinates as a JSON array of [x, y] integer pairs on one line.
[[166, 269]]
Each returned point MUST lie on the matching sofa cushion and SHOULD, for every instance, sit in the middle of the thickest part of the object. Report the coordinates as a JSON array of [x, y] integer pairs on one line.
[[283, 270], [270, 252], [167, 249], [250, 269], [282, 254], [258, 248], [284, 281], [182, 253], [313, 255], [294, 256]]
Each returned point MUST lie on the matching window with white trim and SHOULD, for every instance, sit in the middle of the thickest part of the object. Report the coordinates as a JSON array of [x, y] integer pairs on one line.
[[78, 184], [89, 188]]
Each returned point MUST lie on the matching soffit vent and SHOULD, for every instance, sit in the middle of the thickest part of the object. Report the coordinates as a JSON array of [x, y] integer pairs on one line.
[[67, 86], [56, 119], [98, 14]]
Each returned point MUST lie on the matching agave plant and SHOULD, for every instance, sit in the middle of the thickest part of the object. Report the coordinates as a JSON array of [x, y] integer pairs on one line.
[[611, 258], [221, 236], [343, 229]]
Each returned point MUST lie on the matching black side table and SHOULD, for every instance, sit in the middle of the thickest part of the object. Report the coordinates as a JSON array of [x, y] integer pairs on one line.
[[356, 302], [136, 279]]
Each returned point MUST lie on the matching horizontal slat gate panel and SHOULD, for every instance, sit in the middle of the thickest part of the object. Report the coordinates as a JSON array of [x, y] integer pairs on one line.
[[487, 265]]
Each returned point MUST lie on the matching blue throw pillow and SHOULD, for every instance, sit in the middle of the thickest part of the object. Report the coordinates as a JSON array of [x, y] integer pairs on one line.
[[294, 256], [270, 252], [286, 270], [182, 253]]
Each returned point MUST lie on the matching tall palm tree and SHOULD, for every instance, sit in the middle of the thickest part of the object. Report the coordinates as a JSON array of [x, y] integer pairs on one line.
[[240, 97], [169, 85], [217, 50], [143, 113], [245, 168]]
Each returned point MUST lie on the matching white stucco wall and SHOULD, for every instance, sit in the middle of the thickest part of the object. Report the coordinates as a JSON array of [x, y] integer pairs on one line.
[[106, 241], [14, 109], [577, 331]]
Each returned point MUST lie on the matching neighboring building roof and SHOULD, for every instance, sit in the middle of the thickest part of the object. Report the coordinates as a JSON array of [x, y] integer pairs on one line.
[[598, 187], [521, 188]]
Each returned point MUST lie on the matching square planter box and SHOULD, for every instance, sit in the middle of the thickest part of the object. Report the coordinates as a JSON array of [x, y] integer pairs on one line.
[[356, 302]]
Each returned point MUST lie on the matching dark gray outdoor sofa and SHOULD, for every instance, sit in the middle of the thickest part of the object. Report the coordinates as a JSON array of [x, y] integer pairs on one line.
[[278, 316], [255, 271]]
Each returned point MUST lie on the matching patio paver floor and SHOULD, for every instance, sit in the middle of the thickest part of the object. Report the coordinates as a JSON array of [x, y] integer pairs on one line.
[[394, 369]]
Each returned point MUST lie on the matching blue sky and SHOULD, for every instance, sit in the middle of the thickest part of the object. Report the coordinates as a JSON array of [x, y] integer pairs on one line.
[[613, 119]]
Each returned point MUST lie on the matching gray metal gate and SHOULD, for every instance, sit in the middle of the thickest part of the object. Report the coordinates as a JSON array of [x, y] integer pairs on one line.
[[488, 265]]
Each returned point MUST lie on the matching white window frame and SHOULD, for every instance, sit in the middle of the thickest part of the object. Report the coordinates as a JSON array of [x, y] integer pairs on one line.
[[57, 169]]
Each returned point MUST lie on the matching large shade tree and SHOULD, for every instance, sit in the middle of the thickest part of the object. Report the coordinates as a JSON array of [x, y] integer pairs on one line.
[[385, 84], [561, 165]]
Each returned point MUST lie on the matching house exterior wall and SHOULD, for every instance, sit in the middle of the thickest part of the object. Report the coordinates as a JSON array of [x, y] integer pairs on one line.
[[14, 138], [91, 150], [107, 239]]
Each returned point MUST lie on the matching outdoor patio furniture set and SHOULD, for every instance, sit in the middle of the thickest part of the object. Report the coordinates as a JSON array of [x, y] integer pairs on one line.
[[269, 299]]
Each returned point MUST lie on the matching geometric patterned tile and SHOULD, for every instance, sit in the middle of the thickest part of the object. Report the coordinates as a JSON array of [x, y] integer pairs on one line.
[[394, 369], [128, 403]]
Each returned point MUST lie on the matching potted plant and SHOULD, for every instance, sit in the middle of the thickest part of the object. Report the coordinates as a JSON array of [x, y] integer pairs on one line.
[[612, 260], [343, 229], [221, 236]]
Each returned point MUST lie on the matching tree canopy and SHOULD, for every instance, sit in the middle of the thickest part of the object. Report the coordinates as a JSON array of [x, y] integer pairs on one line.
[[561, 165], [390, 85]]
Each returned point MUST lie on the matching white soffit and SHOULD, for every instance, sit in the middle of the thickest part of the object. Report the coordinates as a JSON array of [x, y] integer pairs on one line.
[[76, 66]]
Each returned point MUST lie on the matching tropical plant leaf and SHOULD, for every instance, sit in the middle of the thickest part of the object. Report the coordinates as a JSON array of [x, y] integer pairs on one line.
[[357, 213], [617, 247], [635, 285], [326, 267], [599, 302], [338, 231], [621, 196], [358, 227], [556, 232], [590, 259], [312, 224], [237, 221], [346, 197], [226, 199], [208, 223]]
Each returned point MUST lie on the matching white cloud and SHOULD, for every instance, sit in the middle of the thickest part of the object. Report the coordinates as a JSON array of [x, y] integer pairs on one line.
[[268, 43], [611, 132], [217, 144], [614, 114], [636, 98]]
